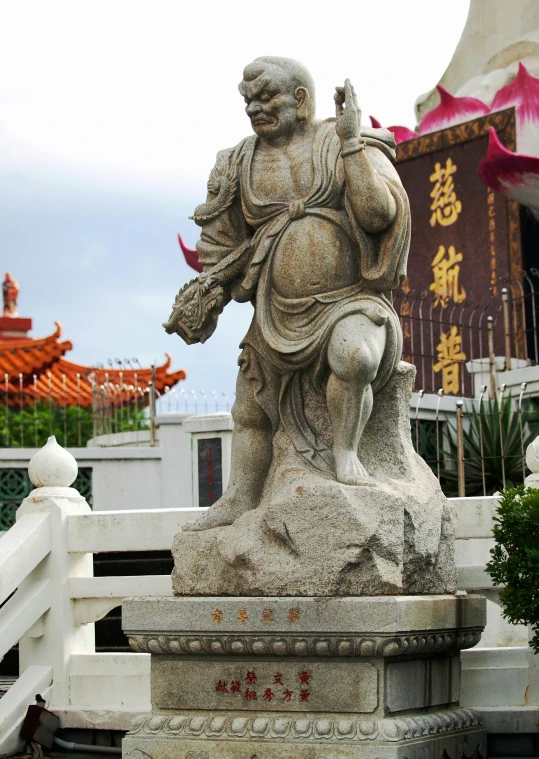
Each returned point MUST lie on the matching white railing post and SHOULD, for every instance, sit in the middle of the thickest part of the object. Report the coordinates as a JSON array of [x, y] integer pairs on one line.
[[55, 637]]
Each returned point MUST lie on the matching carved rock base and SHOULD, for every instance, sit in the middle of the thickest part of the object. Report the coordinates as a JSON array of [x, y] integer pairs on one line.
[[305, 678], [313, 536]]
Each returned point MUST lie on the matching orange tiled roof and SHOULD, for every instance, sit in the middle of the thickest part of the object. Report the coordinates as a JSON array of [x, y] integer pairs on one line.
[[28, 357], [38, 367]]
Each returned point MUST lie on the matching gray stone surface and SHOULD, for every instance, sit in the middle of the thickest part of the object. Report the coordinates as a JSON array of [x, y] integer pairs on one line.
[[220, 681], [419, 683], [450, 734], [382, 617], [314, 536], [295, 685]]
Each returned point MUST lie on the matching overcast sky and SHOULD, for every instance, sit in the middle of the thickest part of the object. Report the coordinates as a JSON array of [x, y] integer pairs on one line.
[[111, 114]]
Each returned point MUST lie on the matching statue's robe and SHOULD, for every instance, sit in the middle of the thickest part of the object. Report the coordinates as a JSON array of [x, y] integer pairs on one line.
[[284, 353]]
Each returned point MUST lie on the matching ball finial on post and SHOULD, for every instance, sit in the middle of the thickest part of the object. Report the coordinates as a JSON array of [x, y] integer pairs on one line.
[[532, 460], [52, 466]]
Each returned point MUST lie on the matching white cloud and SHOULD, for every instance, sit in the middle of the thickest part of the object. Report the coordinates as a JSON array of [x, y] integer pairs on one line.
[[128, 88]]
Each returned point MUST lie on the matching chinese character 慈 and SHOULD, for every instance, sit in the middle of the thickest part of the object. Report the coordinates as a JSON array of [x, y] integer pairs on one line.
[[445, 207]]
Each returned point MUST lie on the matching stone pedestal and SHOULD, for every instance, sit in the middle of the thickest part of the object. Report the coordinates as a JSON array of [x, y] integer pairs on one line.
[[305, 678]]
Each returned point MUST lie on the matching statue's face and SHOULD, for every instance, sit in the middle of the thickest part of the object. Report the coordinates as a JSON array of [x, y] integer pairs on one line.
[[273, 110]]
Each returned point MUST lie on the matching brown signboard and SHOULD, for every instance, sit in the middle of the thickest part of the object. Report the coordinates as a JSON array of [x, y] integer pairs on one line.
[[465, 245]]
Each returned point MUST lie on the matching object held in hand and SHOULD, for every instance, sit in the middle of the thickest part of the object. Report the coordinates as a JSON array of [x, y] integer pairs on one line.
[[196, 309]]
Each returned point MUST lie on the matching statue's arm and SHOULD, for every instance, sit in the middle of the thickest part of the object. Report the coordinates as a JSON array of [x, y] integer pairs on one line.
[[372, 203], [223, 227]]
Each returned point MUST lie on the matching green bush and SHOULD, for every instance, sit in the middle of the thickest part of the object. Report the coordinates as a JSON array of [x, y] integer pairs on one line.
[[515, 557]]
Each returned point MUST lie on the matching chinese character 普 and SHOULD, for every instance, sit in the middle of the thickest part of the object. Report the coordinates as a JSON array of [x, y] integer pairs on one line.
[[445, 207], [450, 355], [445, 273]]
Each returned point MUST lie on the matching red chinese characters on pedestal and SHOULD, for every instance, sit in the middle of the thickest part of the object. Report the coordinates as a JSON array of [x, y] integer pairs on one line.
[[268, 694], [287, 695]]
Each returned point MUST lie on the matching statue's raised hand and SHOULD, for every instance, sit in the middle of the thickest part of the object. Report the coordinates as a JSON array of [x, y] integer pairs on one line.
[[347, 113]]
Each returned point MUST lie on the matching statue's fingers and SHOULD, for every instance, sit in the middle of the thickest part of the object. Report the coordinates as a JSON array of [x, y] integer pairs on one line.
[[354, 96], [348, 96], [339, 95]]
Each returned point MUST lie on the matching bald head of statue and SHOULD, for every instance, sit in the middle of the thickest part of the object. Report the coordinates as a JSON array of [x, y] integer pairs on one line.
[[279, 96]]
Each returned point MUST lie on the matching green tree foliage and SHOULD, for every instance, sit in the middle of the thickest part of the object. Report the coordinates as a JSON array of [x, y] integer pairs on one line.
[[515, 557], [494, 437], [72, 426]]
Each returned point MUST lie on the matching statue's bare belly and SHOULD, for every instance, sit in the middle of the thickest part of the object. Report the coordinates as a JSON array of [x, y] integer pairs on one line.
[[313, 256]]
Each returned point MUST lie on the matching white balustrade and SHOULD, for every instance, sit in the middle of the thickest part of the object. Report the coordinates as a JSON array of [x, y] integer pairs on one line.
[[46, 567]]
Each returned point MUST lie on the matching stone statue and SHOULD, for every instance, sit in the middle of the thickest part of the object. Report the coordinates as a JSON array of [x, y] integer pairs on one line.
[[309, 221], [10, 292]]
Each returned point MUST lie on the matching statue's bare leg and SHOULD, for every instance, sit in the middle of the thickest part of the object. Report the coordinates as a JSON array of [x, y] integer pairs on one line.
[[355, 351], [252, 441]]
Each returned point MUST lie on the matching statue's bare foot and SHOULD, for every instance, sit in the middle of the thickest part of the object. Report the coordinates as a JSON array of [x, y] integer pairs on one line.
[[349, 470], [223, 512]]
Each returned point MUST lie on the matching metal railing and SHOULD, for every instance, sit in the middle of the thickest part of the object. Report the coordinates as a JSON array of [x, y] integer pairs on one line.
[[480, 447], [441, 337]]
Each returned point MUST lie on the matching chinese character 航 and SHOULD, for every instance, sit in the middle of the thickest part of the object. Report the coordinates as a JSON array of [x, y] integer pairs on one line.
[[450, 355], [445, 207], [445, 272], [250, 695], [217, 615]]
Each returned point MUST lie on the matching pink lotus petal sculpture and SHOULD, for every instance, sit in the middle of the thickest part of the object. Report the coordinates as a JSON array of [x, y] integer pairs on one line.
[[513, 174], [451, 110], [401, 133], [523, 94], [191, 256]]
